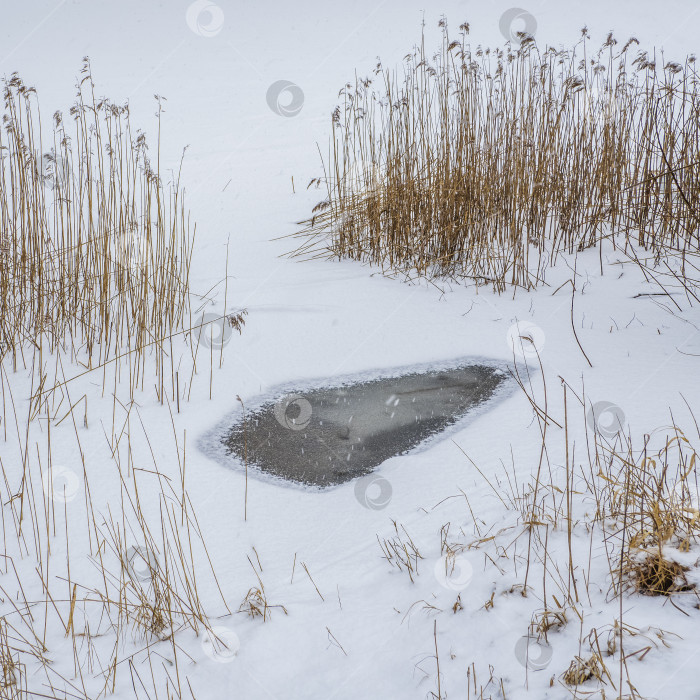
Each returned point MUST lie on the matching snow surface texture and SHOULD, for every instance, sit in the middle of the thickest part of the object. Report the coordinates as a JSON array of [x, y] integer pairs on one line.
[[356, 626]]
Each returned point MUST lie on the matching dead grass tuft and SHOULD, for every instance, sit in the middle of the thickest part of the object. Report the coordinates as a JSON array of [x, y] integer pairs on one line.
[[400, 551], [255, 604], [652, 574], [581, 670]]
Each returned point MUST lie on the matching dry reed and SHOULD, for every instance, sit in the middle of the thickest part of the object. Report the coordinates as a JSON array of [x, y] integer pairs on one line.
[[487, 164], [96, 249]]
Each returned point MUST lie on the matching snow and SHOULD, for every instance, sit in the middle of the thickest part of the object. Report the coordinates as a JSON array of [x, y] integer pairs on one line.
[[320, 319]]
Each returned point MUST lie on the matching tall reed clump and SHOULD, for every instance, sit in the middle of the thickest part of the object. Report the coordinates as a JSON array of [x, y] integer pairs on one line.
[[487, 163], [95, 249], [95, 254]]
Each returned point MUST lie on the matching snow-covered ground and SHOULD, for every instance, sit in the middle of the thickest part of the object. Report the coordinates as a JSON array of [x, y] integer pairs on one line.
[[356, 627]]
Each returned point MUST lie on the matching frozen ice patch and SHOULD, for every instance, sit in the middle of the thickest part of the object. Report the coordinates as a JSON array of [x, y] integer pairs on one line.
[[326, 435]]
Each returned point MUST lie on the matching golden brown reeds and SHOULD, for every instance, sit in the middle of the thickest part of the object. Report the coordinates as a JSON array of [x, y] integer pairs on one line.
[[486, 164], [95, 254], [95, 249]]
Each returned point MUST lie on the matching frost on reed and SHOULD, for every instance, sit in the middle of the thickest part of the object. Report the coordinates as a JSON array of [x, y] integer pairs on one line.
[[94, 248], [487, 163]]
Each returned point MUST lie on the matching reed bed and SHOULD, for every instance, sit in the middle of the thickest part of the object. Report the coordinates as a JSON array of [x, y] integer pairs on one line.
[[486, 164], [102, 559], [95, 248]]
